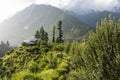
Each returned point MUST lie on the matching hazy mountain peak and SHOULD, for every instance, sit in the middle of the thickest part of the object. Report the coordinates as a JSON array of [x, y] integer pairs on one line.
[[30, 19]]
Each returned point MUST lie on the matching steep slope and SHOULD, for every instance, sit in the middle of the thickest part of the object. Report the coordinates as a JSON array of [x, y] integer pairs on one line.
[[43, 61], [32, 18], [91, 18]]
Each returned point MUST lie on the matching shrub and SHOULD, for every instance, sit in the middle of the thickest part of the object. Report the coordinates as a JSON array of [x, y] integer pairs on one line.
[[33, 67], [62, 78], [30, 77], [44, 50], [43, 44], [49, 75], [63, 68], [58, 47]]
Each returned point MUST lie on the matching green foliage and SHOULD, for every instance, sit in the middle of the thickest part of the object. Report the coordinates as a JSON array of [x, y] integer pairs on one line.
[[59, 47], [97, 58], [49, 75], [62, 78], [29, 77], [33, 67], [63, 68], [26, 76], [104, 47]]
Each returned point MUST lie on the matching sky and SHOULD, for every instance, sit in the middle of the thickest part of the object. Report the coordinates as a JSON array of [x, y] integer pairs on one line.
[[10, 7]]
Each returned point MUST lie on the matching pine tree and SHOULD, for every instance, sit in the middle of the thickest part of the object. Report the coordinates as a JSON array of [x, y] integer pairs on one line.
[[53, 34], [60, 38], [42, 33], [46, 36], [37, 35]]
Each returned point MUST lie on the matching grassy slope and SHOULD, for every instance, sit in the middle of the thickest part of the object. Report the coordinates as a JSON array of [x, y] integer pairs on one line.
[[52, 62], [44, 62]]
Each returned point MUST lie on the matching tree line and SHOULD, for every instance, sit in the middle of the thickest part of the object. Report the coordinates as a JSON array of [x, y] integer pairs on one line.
[[43, 35], [4, 47]]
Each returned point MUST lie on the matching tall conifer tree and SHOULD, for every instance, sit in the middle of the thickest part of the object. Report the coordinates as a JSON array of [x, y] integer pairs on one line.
[[37, 35], [60, 37], [53, 34]]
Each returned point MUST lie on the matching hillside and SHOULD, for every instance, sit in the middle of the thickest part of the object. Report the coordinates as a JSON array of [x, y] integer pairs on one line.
[[91, 18], [95, 59], [30, 19]]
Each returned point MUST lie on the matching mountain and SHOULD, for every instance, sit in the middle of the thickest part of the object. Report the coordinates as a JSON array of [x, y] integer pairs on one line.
[[115, 9], [91, 18], [24, 23]]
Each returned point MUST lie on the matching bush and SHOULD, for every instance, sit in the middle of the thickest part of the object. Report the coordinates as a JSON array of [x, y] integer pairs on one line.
[[28, 77], [33, 67], [62, 78], [24, 75], [58, 47], [49, 75], [43, 44], [63, 68], [44, 50]]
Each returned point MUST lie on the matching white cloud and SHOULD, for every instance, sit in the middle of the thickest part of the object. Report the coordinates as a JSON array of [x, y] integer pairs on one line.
[[56, 3], [81, 4], [103, 4], [9, 7]]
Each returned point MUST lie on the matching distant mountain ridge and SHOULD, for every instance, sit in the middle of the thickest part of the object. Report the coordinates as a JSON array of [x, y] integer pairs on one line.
[[24, 23], [91, 18]]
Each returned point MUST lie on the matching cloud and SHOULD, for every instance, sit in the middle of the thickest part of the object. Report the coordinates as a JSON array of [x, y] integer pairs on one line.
[[103, 4], [81, 4], [56, 3], [8, 7]]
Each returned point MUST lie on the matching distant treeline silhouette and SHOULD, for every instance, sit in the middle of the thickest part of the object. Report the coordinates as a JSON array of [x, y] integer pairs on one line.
[[4, 47]]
